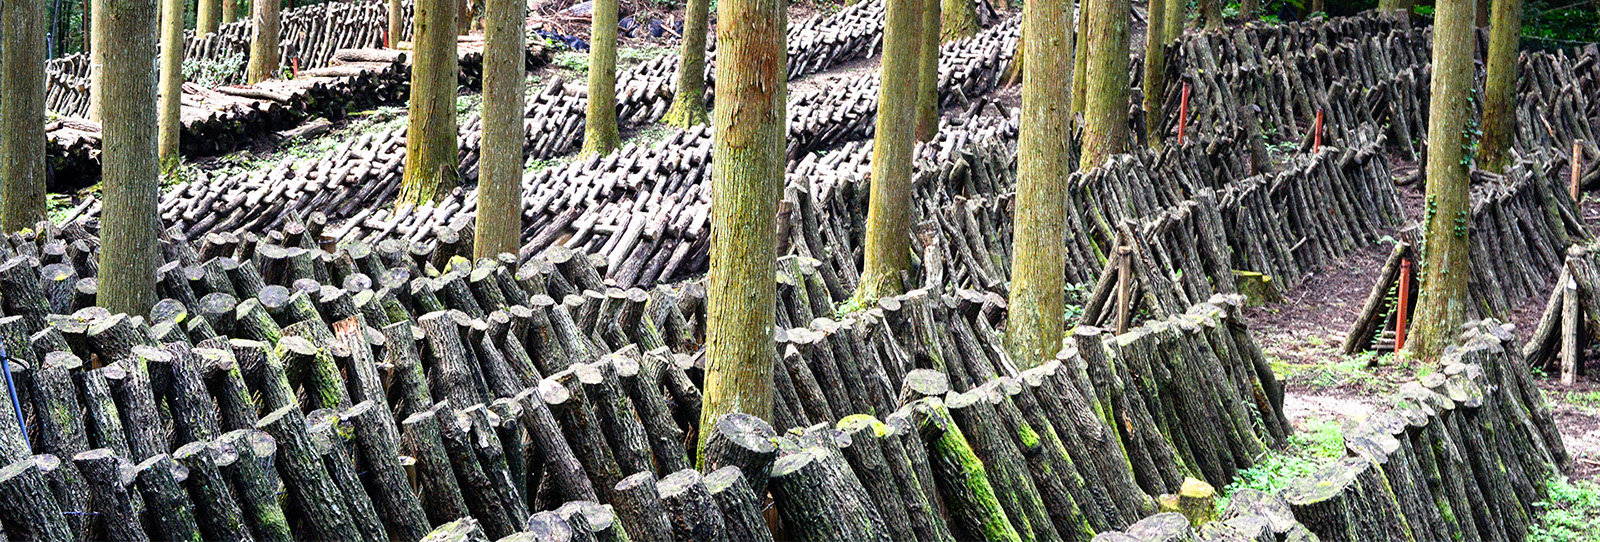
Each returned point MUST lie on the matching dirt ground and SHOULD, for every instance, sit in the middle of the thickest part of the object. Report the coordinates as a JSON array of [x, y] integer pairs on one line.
[[1302, 336]]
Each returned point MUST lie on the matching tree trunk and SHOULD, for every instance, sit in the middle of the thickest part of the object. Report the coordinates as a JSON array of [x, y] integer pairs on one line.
[[207, 17], [230, 11], [928, 85], [397, 24], [1038, 254], [130, 220], [463, 17], [499, 226], [1500, 90], [750, 157], [97, 63], [1248, 10], [1404, 7], [431, 130], [1481, 13], [171, 93], [888, 241], [1080, 57], [689, 102], [959, 19], [1212, 9], [1443, 304], [265, 32], [22, 173], [1155, 74], [600, 120], [1177, 16], [1105, 111]]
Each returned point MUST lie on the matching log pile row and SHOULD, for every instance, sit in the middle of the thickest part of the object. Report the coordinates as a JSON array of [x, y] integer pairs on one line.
[[1521, 226], [312, 35], [1556, 106], [847, 110], [1362, 70], [1462, 454], [332, 395], [1566, 330]]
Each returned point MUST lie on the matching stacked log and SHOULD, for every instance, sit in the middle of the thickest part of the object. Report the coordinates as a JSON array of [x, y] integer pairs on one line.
[[1563, 335], [1463, 453], [1521, 226]]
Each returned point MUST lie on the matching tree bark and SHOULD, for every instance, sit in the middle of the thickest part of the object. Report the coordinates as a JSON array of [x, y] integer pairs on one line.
[[887, 250], [171, 92], [749, 153], [130, 220], [499, 221], [207, 17], [1038, 254], [431, 127], [959, 19], [1444, 302], [265, 31], [600, 120], [1080, 58], [1177, 16], [1105, 130], [1155, 74], [22, 167], [928, 73], [1248, 10], [230, 11], [1404, 7], [1212, 11], [689, 100], [1500, 88], [98, 19]]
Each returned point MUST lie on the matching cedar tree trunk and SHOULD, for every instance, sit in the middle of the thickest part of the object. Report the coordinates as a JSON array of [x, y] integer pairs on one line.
[[130, 220], [888, 240], [689, 101], [431, 128], [499, 227], [600, 122], [1105, 111], [1500, 90], [22, 173]]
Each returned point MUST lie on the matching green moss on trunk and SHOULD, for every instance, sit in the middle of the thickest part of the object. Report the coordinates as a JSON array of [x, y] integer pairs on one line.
[[928, 73], [1443, 304], [1155, 75], [431, 126], [171, 93], [959, 19], [600, 122], [1500, 90], [888, 242], [749, 153], [1105, 108], [689, 101], [499, 225]]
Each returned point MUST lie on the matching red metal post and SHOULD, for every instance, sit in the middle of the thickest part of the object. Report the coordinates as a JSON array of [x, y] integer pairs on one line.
[[1183, 112], [1403, 306]]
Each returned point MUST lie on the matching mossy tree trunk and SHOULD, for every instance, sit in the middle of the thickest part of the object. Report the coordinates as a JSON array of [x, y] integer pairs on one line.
[[171, 93], [749, 153], [463, 17], [1080, 57], [1248, 10], [689, 101], [600, 120], [1500, 90], [97, 63], [1105, 110], [1155, 74], [1177, 16], [1212, 10], [888, 241], [267, 28], [958, 19], [130, 221], [1404, 7], [1443, 304], [431, 126], [207, 16], [928, 73], [397, 24], [1035, 328], [499, 226], [230, 11], [22, 173]]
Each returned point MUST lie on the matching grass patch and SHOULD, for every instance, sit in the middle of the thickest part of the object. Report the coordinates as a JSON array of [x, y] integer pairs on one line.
[[1308, 450], [1571, 514]]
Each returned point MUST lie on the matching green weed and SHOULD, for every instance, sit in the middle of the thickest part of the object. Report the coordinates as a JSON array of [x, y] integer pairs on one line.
[[1307, 451], [1571, 514]]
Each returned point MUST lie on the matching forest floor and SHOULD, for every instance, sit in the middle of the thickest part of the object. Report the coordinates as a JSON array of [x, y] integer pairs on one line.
[[1302, 336]]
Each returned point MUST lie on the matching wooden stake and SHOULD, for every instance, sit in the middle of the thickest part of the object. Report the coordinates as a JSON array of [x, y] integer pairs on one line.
[[1124, 287], [1400, 309], [1571, 348], [1577, 168], [1183, 112], [1316, 138]]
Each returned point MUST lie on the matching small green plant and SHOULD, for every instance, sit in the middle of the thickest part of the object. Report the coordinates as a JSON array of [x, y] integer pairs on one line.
[[211, 73], [1571, 513], [1308, 450], [575, 61]]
